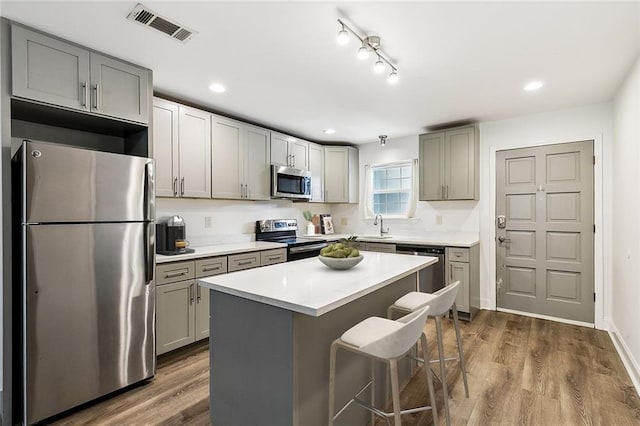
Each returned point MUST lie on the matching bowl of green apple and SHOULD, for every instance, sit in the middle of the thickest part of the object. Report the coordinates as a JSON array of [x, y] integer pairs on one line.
[[341, 255]]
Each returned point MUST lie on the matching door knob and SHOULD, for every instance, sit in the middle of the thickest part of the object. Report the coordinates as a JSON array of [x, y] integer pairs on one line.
[[502, 239]]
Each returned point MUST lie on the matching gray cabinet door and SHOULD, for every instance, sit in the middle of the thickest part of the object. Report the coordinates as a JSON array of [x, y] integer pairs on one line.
[[257, 168], [118, 89], [175, 311], [202, 313], [316, 167], [49, 70], [165, 147], [431, 166], [459, 164], [336, 174], [227, 154], [280, 150], [299, 154], [459, 271], [194, 153]]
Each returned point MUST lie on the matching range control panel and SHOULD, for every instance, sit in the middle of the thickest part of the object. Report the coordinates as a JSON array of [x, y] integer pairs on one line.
[[274, 225]]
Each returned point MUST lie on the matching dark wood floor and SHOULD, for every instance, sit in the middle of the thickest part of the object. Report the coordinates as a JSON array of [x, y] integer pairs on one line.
[[522, 371]]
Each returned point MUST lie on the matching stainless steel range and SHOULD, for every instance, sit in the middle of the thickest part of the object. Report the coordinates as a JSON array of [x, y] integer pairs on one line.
[[284, 231]]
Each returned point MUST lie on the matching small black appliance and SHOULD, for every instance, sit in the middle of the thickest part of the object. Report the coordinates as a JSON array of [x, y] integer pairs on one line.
[[170, 236]]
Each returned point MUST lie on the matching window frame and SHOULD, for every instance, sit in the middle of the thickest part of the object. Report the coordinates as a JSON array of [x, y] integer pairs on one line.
[[372, 191]]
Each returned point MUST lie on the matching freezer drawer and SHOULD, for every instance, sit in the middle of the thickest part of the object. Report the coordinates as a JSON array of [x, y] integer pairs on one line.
[[88, 313]]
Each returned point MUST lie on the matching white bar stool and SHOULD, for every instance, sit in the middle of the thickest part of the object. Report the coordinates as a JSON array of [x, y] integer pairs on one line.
[[387, 341], [439, 304]]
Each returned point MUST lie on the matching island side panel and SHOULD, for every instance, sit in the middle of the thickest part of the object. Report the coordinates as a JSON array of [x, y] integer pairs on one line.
[[250, 362], [312, 340]]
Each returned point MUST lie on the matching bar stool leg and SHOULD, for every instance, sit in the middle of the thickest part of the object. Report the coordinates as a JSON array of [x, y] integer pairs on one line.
[[395, 391], [443, 370], [332, 382], [460, 353], [427, 369], [373, 391]]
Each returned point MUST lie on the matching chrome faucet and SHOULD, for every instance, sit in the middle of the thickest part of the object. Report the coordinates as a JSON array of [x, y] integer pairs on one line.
[[375, 223]]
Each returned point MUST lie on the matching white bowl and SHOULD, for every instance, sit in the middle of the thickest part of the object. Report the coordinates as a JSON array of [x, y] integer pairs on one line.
[[340, 263]]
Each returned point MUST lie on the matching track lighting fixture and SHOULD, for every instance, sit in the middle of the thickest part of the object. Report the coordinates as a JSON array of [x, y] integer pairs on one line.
[[370, 44], [383, 140]]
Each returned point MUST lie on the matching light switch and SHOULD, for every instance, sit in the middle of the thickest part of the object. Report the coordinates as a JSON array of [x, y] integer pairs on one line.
[[438, 220], [208, 221], [344, 221]]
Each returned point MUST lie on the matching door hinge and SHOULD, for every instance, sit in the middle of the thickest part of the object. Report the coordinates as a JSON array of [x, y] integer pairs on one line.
[[594, 297], [594, 229], [594, 159]]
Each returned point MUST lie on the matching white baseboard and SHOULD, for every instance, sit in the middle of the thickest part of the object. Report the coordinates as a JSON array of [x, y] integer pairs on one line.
[[630, 364], [546, 317]]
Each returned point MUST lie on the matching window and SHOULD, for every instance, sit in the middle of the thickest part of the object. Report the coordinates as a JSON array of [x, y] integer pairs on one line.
[[391, 189]]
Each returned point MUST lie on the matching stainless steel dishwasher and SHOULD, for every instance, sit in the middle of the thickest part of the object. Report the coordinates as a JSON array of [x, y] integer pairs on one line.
[[431, 278]]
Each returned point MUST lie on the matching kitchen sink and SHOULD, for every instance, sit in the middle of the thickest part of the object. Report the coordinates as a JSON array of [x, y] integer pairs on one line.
[[374, 237]]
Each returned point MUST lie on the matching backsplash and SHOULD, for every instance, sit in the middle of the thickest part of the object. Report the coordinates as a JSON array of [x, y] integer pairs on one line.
[[232, 221]]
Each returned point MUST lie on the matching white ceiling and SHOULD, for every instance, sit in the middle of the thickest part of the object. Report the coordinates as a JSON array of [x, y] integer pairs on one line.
[[283, 68]]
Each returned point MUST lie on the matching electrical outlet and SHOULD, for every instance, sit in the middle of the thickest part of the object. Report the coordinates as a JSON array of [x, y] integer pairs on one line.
[[208, 221], [438, 220], [344, 221]]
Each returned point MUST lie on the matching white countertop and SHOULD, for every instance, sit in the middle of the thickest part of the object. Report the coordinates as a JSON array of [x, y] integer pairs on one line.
[[450, 239], [220, 250], [309, 287]]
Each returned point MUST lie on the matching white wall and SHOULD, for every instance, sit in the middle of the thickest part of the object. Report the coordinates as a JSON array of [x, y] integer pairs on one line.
[[456, 215], [232, 221], [625, 316], [584, 123]]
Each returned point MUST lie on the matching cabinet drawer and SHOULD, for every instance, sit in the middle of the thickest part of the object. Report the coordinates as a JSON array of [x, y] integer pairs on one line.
[[238, 262], [456, 254], [174, 272], [269, 257], [211, 266], [380, 247]]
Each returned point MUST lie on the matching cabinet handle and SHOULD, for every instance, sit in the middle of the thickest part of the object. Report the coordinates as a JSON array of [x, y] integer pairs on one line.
[[191, 294], [84, 94], [248, 262], [447, 192], [293, 160], [450, 273], [442, 192], [176, 274], [96, 98], [175, 187], [199, 294], [274, 257], [182, 186], [215, 268]]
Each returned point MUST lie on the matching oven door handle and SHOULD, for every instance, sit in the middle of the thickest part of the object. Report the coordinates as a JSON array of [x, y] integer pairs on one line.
[[303, 249]]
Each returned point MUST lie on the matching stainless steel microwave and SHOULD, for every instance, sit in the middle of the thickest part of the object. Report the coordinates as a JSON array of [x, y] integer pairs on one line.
[[290, 183]]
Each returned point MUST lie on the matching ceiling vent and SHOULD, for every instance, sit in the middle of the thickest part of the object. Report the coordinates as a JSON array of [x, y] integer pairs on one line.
[[145, 16]]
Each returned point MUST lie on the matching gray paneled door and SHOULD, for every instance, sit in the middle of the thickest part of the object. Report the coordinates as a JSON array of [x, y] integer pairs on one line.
[[545, 249]]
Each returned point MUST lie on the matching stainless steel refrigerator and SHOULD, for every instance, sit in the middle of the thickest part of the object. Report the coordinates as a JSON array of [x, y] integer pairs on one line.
[[87, 289]]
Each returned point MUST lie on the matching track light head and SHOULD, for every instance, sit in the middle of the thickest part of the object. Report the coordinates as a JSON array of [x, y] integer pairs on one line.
[[379, 66], [343, 37], [383, 140], [393, 77], [363, 52]]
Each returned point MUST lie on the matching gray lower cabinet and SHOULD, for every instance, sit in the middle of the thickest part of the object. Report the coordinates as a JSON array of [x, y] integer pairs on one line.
[[182, 306], [463, 264], [53, 71]]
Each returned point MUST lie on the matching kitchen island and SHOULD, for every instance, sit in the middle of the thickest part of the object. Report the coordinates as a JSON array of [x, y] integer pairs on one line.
[[271, 330]]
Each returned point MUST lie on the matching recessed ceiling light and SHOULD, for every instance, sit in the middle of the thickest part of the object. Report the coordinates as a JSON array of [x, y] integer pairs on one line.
[[217, 87], [533, 85], [329, 131]]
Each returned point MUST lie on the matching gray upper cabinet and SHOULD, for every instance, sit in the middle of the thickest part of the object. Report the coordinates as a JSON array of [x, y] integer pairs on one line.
[[289, 151], [182, 150], [341, 174], [165, 147], [316, 167], [240, 160], [55, 72], [449, 164]]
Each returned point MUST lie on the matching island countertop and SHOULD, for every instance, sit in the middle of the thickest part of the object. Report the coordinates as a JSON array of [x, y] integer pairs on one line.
[[309, 287]]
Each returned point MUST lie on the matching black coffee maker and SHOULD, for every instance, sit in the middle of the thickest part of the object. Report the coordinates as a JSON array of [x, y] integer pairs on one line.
[[170, 236]]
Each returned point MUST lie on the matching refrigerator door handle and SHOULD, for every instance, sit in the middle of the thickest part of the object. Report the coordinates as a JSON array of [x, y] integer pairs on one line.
[[149, 252], [149, 192]]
